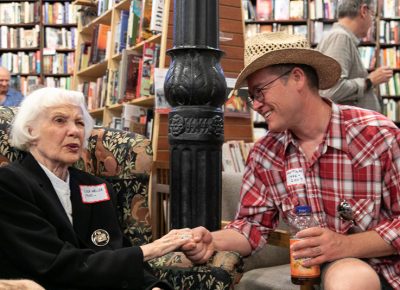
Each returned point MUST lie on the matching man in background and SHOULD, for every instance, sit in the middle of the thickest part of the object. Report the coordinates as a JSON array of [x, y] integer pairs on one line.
[[355, 86], [8, 96]]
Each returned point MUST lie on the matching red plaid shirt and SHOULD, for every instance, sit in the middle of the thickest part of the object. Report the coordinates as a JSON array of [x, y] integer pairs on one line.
[[358, 161]]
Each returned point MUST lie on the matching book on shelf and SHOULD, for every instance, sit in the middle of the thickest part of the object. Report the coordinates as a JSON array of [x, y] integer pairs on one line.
[[128, 75], [264, 10], [99, 43], [122, 29], [84, 56], [281, 10], [146, 65], [116, 123], [297, 9], [161, 105], [137, 119], [236, 103], [134, 21], [234, 155], [156, 19], [144, 21]]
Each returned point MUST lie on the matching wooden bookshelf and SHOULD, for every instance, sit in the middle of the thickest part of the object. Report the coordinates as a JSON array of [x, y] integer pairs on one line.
[[29, 38]]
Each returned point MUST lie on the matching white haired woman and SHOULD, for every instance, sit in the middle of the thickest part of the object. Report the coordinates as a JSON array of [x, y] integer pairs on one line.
[[50, 233]]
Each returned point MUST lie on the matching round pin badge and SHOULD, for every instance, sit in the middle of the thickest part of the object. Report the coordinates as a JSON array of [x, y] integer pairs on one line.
[[100, 237]]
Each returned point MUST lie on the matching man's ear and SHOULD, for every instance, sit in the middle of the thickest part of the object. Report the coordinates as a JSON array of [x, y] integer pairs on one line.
[[298, 75]]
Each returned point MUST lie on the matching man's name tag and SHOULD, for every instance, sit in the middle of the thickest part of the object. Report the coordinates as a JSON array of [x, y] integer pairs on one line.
[[295, 177], [94, 193]]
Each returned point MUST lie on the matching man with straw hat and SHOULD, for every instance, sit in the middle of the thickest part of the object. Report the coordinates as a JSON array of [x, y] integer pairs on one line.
[[342, 161]]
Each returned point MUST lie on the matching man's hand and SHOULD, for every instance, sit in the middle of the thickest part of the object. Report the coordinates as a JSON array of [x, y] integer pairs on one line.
[[201, 247], [380, 75], [320, 245]]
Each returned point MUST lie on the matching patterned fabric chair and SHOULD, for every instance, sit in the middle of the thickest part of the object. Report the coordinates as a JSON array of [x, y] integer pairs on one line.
[[124, 159]]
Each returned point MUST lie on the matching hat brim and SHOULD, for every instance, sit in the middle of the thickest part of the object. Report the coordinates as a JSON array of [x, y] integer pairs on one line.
[[327, 69]]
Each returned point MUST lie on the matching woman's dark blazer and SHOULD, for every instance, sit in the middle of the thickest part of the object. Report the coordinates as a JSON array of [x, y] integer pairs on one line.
[[39, 242]]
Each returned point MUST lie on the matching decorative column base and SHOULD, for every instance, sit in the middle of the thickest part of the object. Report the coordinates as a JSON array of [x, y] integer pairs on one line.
[[195, 137]]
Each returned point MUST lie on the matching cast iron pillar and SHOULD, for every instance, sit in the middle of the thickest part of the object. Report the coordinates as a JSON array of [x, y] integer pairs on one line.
[[195, 88]]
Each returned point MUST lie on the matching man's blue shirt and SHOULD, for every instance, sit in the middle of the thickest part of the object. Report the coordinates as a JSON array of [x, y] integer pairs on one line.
[[13, 98]]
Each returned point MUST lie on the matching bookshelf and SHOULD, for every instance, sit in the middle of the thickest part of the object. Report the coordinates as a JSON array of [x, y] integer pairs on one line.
[[312, 17], [231, 42], [37, 42]]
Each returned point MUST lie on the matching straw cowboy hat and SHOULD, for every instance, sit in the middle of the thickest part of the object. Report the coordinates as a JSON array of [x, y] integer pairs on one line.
[[266, 49]]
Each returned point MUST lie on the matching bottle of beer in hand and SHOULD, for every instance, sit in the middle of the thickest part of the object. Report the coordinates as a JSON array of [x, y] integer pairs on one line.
[[302, 275]]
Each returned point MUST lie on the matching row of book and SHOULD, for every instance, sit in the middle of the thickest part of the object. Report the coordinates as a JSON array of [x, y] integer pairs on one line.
[[135, 119], [95, 92], [274, 9], [58, 63], [234, 155], [392, 87], [58, 82], [367, 54], [298, 9], [323, 9], [391, 108], [141, 21], [390, 56], [390, 8], [96, 50], [252, 29], [19, 12], [389, 32], [21, 62], [144, 20], [23, 83], [60, 37], [18, 37], [59, 13], [135, 76]]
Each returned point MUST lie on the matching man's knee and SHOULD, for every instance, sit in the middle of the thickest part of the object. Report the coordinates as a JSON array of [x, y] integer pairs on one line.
[[350, 273]]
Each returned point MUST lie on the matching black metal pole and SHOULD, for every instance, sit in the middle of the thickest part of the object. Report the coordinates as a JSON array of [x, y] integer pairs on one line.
[[195, 87]]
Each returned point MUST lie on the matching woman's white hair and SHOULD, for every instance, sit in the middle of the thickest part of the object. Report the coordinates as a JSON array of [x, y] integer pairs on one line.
[[35, 104]]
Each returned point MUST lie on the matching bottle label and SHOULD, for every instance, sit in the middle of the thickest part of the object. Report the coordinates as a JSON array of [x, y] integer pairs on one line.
[[298, 270]]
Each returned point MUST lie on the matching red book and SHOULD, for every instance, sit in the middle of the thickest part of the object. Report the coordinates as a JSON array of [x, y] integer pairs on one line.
[[264, 10]]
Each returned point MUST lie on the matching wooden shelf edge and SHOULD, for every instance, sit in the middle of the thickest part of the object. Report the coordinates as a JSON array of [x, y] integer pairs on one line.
[[84, 2]]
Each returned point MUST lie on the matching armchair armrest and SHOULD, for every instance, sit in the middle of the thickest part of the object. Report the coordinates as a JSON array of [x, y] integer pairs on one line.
[[222, 271]]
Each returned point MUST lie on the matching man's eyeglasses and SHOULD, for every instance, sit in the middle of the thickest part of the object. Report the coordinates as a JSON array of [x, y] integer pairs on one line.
[[258, 94]]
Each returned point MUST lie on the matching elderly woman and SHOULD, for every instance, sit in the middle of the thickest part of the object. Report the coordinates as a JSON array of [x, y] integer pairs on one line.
[[48, 232]]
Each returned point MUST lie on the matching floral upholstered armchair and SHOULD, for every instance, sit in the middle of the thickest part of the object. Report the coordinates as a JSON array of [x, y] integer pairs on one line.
[[124, 159]]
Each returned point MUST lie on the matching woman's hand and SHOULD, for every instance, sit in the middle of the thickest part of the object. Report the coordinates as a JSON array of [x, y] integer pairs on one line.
[[168, 243]]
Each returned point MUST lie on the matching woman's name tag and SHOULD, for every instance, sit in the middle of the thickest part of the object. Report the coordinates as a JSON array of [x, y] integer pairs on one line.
[[94, 193]]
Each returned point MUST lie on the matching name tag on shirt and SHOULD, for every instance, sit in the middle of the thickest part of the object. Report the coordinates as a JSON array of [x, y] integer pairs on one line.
[[94, 193], [295, 177]]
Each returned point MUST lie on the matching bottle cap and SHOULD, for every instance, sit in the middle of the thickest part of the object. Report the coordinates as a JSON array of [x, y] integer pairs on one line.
[[303, 209]]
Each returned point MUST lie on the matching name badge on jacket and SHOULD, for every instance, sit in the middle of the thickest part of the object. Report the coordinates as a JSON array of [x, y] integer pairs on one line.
[[94, 193]]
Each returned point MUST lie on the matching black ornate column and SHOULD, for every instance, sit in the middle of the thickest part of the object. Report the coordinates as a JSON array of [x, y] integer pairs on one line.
[[195, 87]]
